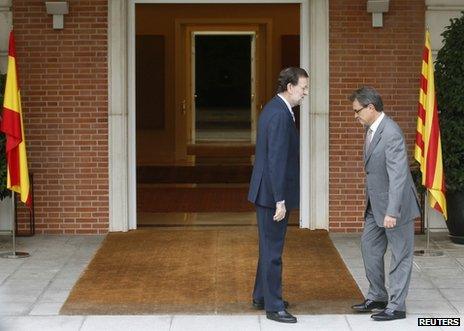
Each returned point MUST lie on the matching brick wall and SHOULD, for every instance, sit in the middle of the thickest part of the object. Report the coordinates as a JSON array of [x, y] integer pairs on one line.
[[64, 88], [388, 59], [63, 75]]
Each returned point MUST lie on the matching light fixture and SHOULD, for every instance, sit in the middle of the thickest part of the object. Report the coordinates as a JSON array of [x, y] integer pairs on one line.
[[57, 9], [377, 8]]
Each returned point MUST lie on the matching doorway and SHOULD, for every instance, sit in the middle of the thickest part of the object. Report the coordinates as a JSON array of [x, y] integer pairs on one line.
[[223, 86], [309, 12], [222, 75], [224, 70]]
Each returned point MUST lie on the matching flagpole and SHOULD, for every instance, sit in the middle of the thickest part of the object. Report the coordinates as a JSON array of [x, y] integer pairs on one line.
[[12, 126], [427, 252], [426, 221], [13, 254], [428, 134]]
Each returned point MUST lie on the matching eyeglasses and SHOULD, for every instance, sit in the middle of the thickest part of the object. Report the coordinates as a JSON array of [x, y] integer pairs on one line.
[[358, 110]]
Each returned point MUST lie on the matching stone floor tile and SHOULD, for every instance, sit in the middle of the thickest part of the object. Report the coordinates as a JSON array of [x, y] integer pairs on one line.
[[444, 282], [455, 294], [41, 323], [127, 323], [365, 322], [54, 295], [429, 306], [15, 308], [46, 308], [459, 306], [425, 294], [215, 323], [308, 322]]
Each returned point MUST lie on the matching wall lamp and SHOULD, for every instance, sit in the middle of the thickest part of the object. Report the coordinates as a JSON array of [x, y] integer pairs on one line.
[[377, 8], [57, 9]]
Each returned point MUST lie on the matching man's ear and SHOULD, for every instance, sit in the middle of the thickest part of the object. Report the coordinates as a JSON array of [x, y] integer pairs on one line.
[[289, 87]]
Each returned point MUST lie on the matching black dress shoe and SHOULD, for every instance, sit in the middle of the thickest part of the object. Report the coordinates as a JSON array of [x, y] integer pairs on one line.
[[281, 316], [388, 315], [369, 305], [259, 305]]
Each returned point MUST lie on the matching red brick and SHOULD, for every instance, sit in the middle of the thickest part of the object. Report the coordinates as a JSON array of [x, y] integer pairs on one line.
[[58, 71], [63, 75]]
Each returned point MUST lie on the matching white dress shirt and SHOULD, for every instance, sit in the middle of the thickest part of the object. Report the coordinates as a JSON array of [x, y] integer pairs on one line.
[[288, 106], [376, 124]]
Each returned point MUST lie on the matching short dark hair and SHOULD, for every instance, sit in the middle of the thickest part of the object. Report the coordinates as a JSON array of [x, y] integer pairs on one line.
[[367, 95], [290, 75]]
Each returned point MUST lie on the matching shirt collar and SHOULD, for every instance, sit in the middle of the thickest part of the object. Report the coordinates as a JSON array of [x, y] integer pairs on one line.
[[376, 123], [288, 105]]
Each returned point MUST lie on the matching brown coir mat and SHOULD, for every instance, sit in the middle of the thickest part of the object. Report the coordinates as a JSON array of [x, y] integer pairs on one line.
[[207, 271]]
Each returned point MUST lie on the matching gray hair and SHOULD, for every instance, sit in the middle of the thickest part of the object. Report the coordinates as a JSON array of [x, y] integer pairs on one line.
[[367, 95]]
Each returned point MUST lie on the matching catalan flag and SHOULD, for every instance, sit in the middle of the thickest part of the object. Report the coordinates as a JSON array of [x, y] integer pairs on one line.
[[428, 143], [12, 126]]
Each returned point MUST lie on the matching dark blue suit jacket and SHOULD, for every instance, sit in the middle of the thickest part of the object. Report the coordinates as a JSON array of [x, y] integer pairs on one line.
[[276, 173]]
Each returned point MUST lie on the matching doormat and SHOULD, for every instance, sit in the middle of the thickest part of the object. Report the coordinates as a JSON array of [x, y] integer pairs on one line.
[[207, 271]]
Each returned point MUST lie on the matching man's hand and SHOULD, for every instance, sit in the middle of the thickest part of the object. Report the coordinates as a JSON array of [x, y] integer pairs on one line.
[[280, 211], [389, 222]]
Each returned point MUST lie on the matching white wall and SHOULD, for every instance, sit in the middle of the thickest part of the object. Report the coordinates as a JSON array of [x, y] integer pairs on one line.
[[6, 215], [5, 27], [437, 17]]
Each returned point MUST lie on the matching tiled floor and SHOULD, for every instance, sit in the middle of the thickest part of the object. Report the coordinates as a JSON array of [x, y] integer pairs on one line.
[[32, 291]]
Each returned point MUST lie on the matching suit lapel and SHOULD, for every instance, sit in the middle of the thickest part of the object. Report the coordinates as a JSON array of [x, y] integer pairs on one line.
[[375, 139]]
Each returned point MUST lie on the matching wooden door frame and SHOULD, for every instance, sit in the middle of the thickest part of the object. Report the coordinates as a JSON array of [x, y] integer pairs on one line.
[[183, 30], [190, 63]]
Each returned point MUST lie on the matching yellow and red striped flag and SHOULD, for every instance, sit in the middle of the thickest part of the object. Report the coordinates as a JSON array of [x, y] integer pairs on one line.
[[12, 126], [428, 143]]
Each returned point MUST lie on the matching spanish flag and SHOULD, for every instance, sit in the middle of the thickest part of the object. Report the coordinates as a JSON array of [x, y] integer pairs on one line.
[[428, 144], [12, 126]]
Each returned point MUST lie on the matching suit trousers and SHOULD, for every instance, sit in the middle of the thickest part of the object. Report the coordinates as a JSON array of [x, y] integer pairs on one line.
[[374, 242], [268, 282]]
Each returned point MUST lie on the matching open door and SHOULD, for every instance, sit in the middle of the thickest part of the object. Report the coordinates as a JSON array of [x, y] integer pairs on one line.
[[223, 88], [222, 67]]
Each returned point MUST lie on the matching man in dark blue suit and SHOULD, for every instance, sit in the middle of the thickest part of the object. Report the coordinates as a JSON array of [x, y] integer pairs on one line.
[[275, 188]]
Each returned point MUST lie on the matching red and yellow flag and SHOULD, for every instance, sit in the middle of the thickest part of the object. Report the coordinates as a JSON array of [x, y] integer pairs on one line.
[[12, 126], [428, 143]]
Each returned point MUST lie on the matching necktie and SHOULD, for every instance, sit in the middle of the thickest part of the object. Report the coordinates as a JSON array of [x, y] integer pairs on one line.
[[368, 140], [293, 115]]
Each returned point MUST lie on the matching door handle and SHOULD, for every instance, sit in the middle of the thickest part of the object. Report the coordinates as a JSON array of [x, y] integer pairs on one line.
[[183, 107]]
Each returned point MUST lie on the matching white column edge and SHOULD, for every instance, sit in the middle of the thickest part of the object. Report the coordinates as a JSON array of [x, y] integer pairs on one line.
[[319, 131], [305, 140], [117, 116]]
